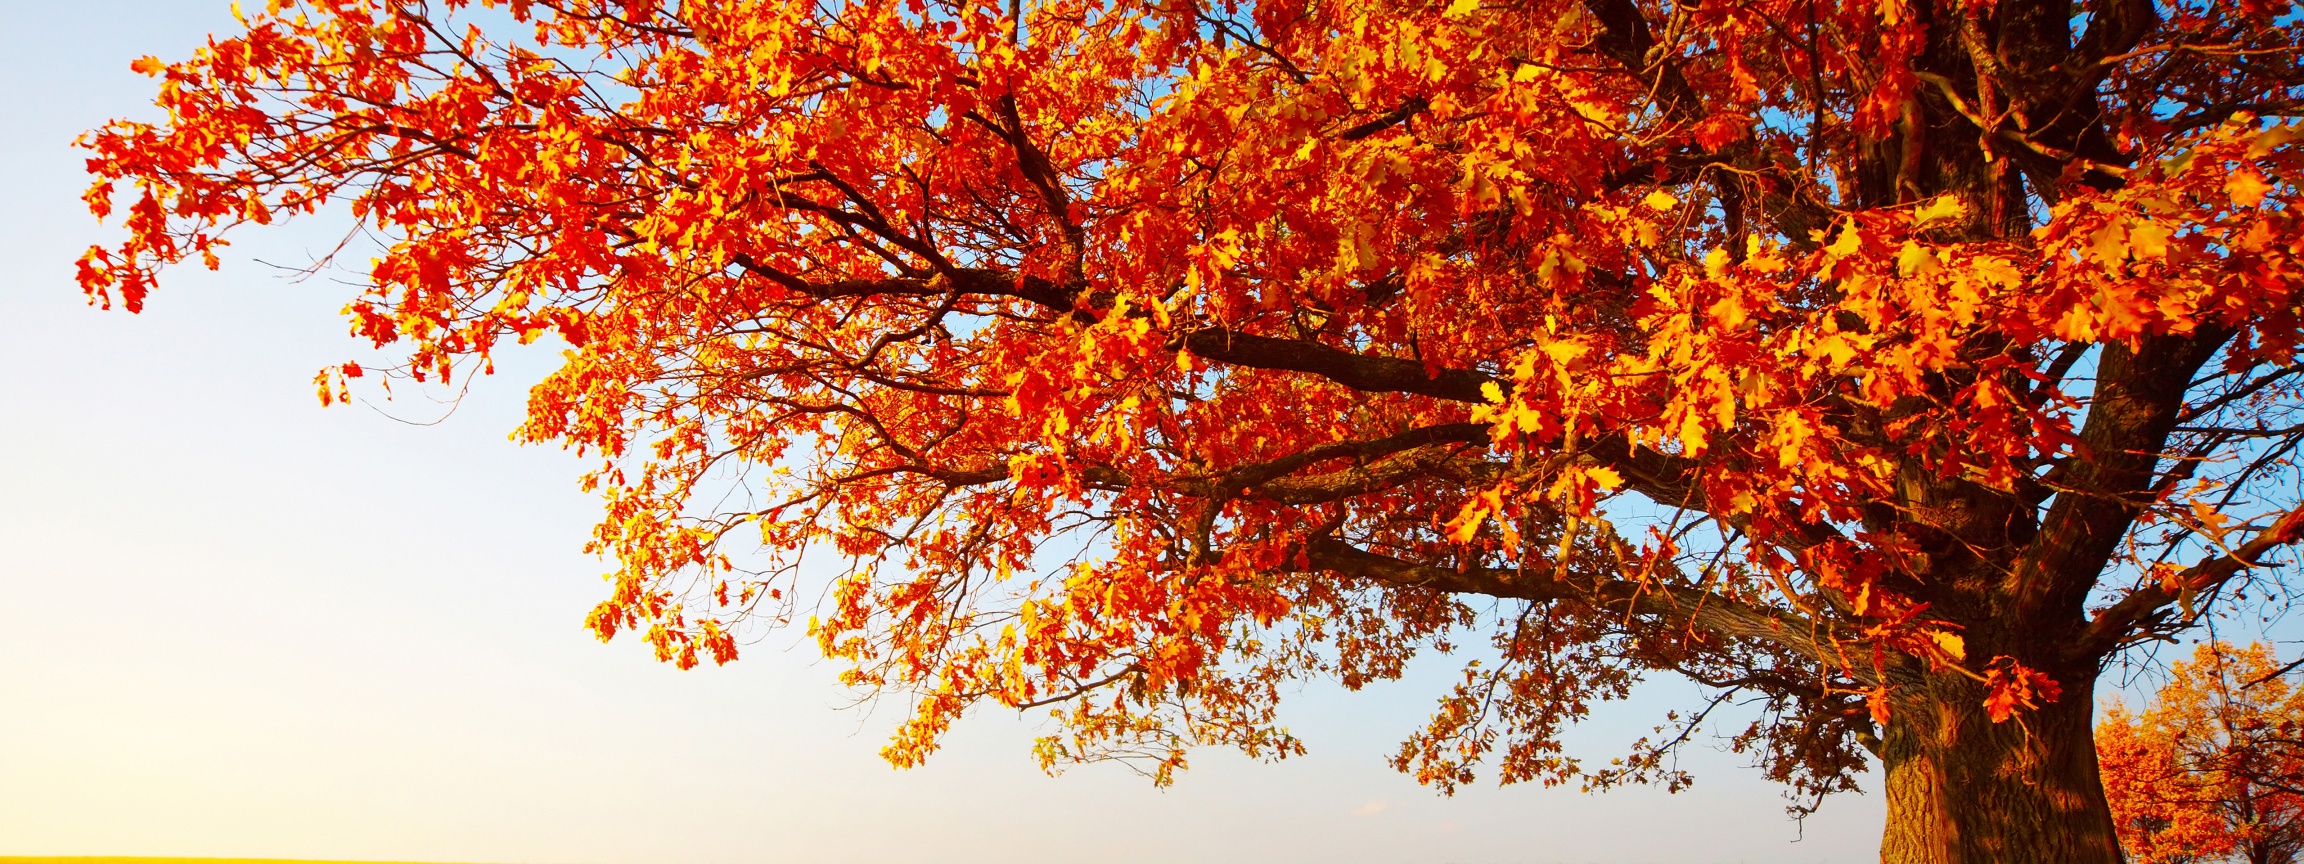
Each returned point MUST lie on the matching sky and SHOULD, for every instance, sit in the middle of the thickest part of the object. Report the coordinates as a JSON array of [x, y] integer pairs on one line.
[[235, 623]]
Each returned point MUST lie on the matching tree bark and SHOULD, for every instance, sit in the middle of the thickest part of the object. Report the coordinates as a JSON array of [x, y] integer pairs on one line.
[[1965, 790]]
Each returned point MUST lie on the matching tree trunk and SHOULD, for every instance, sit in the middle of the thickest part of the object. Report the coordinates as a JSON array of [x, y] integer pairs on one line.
[[1965, 790]]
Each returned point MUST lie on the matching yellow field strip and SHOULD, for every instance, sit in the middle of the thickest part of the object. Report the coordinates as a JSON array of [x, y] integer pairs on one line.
[[114, 859]]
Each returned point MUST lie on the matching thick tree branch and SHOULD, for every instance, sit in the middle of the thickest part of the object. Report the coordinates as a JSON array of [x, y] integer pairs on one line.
[[1260, 475], [1626, 38], [1409, 107], [1386, 473], [2112, 627], [1710, 612], [1033, 162], [968, 280], [1364, 372], [1664, 478], [2138, 396]]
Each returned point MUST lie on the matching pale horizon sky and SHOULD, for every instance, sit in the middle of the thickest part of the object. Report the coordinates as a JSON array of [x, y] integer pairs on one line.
[[235, 623]]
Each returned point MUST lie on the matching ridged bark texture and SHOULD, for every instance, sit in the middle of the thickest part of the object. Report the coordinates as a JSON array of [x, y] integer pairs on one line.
[[1962, 789]]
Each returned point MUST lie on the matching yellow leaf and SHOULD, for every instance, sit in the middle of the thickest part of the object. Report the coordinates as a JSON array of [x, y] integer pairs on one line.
[[2270, 139], [1661, 200], [1491, 392], [1951, 644], [2212, 523], [1963, 299], [1647, 233], [1996, 271], [2109, 244], [2246, 189], [2256, 238], [1848, 244], [1548, 272], [1363, 247], [1526, 420], [1943, 208], [1835, 347], [1692, 437], [1462, 8], [1728, 312], [1916, 260], [1468, 521], [1564, 352], [2149, 240], [1791, 437], [1606, 477], [1753, 386]]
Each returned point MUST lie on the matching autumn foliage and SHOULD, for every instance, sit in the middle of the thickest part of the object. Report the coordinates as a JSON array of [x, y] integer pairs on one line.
[[1884, 366], [2213, 769]]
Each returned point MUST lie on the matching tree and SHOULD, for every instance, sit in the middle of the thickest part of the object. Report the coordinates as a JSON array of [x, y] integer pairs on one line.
[[1893, 364], [2214, 766]]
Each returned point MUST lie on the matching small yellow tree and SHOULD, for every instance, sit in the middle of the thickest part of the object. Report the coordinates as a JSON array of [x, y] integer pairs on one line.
[[2214, 767]]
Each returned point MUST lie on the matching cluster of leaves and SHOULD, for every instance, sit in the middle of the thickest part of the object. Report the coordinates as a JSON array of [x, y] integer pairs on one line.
[[1139, 359], [2214, 767]]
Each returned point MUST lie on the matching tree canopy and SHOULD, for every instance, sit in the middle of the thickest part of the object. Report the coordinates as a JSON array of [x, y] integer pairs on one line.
[[1896, 364]]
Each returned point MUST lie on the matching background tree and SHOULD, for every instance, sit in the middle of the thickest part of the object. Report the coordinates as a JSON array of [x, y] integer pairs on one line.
[[2164, 814], [2214, 766], [1893, 365]]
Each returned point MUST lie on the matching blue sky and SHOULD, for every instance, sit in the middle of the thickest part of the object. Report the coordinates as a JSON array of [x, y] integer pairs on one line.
[[234, 623]]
